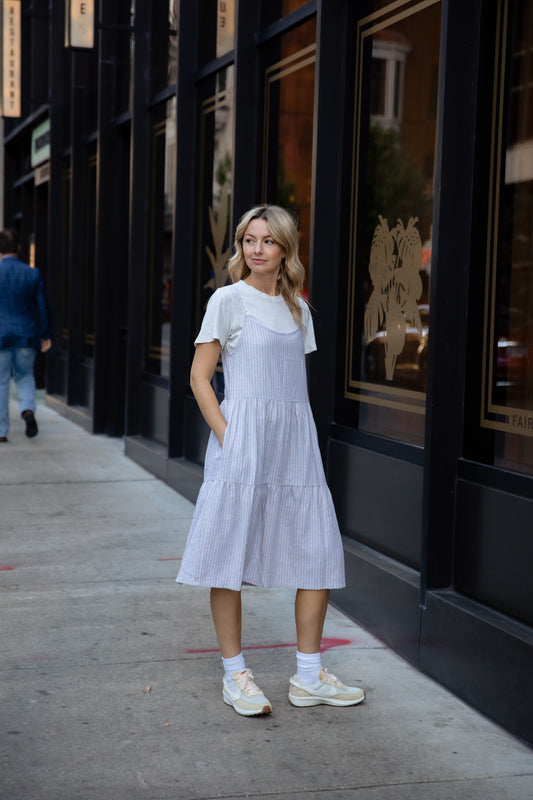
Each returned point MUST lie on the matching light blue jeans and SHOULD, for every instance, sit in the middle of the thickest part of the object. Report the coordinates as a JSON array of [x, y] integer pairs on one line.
[[16, 363]]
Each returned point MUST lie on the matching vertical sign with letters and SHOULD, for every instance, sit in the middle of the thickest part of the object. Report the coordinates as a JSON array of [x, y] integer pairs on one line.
[[80, 24], [11, 58]]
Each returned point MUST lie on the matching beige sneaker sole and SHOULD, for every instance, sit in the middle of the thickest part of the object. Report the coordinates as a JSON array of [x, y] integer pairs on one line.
[[245, 709]]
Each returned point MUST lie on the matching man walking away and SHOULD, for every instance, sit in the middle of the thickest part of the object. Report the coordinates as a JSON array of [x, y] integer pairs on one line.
[[24, 329]]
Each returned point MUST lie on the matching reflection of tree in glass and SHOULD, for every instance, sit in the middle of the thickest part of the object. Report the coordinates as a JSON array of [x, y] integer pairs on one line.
[[395, 184], [394, 267], [223, 172]]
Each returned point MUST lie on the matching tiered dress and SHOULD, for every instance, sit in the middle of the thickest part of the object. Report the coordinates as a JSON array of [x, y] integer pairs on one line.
[[264, 515]]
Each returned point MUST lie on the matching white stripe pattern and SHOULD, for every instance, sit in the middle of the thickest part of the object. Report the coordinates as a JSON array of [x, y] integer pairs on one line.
[[264, 515]]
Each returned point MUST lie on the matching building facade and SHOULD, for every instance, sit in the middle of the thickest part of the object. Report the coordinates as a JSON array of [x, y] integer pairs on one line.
[[400, 132]]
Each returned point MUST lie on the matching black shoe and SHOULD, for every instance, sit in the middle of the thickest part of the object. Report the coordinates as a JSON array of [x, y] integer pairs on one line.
[[31, 424], [3, 438]]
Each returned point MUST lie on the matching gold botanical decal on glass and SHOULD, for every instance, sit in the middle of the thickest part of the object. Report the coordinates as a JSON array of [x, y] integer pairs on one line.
[[395, 262], [219, 235]]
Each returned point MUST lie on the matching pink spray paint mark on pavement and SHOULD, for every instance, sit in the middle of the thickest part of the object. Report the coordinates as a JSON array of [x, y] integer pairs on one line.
[[168, 559], [325, 644], [5, 568]]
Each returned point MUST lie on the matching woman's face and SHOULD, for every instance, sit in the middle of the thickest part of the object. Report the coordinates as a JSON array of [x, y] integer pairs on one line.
[[262, 254]]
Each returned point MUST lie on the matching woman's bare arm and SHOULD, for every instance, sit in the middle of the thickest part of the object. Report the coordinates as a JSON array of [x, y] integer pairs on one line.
[[202, 369]]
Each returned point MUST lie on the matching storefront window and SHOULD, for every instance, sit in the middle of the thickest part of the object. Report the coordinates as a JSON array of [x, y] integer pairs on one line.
[[65, 243], [288, 143], [216, 177], [122, 14], [86, 70], [397, 62], [163, 193], [218, 28], [164, 59], [507, 403], [89, 253], [272, 10]]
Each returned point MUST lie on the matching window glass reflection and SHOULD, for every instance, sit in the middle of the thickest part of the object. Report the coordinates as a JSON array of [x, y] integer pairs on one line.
[[159, 290], [216, 172], [89, 251], [508, 406], [218, 28], [216, 185], [289, 110], [272, 10], [164, 59], [388, 297], [117, 19], [65, 244], [216, 182], [172, 61]]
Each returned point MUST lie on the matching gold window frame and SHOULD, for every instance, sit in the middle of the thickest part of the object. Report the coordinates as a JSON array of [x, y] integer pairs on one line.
[[363, 391], [500, 418]]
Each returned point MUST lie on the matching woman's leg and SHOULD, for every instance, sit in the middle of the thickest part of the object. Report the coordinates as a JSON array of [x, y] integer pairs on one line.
[[310, 613], [312, 685], [227, 617], [239, 689]]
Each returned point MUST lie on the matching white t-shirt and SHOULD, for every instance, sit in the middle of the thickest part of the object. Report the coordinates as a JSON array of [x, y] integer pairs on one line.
[[224, 316]]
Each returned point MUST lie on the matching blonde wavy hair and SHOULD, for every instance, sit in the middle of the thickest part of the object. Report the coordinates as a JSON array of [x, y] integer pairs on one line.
[[282, 227]]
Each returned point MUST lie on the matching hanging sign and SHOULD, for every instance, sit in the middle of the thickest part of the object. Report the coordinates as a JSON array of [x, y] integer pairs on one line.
[[11, 58], [40, 143], [79, 23]]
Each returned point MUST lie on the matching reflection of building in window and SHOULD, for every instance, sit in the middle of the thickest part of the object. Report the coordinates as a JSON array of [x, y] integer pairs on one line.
[[513, 314], [223, 140], [389, 51], [170, 163], [172, 42], [519, 156], [289, 111], [218, 121]]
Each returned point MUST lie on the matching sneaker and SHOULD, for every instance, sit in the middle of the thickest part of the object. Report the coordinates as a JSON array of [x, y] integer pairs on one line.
[[3, 438], [329, 690], [31, 424], [245, 697]]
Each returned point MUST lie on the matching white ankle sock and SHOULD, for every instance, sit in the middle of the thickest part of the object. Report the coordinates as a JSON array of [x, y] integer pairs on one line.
[[308, 666], [233, 665]]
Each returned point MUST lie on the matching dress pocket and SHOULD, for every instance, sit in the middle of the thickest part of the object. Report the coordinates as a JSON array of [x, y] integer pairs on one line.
[[213, 457]]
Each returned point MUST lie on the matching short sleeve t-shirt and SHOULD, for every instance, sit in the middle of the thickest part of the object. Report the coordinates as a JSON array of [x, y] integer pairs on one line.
[[224, 316]]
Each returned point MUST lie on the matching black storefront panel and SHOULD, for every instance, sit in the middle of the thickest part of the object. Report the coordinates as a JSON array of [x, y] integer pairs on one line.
[[378, 500], [494, 549]]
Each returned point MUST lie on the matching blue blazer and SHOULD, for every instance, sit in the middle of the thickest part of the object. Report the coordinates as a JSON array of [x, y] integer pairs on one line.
[[23, 309]]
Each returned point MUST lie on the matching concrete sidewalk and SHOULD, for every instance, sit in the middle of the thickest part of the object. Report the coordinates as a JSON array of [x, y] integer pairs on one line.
[[111, 679]]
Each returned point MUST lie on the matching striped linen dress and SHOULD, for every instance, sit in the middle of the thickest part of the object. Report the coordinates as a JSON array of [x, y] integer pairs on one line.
[[264, 515]]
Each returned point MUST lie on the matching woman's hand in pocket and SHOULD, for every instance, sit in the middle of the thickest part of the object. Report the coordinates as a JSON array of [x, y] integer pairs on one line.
[[221, 436]]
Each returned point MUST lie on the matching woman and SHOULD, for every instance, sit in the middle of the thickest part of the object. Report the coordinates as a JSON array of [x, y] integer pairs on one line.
[[264, 515]]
